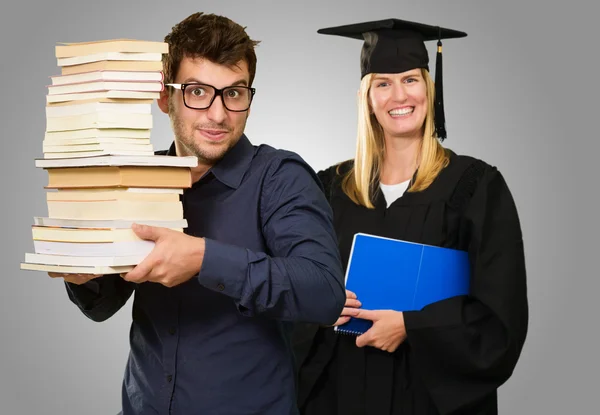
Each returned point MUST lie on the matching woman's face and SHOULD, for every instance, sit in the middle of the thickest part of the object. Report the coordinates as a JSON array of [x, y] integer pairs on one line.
[[399, 102]]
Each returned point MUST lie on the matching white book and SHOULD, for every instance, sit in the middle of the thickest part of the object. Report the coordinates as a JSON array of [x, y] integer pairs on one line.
[[83, 87], [93, 249], [92, 107], [154, 160], [100, 140], [109, 56], [107, 147], [66, 269], [153, 76], [113, 94], [110, 261], [98, 153]]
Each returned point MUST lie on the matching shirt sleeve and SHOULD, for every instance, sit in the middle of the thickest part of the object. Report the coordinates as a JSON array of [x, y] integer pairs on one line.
[[100, 298], [465, 347], [300, 278]]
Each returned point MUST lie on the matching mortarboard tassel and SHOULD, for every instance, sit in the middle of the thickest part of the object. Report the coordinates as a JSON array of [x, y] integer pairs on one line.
[[439, 118]]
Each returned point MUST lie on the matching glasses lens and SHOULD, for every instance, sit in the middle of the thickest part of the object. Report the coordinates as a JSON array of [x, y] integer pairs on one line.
[[237, 98], [198, 96]]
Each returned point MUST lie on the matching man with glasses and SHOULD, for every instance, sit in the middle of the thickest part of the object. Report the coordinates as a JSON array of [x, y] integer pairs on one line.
[[213, 307]]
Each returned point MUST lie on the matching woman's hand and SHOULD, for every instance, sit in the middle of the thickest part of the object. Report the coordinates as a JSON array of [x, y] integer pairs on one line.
[[388, 330]]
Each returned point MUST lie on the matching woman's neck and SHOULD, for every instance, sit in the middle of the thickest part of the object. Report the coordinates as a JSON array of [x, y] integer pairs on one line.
[[400, 159]]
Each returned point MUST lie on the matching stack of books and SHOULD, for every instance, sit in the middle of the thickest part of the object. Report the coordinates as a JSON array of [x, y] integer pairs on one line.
[[103, 175]]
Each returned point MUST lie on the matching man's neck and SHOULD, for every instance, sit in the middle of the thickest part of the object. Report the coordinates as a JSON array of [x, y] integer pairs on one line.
[[199, 170]]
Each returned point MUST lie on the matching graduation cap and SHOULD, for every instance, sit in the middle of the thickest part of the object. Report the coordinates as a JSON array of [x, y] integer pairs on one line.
[[395, 46]]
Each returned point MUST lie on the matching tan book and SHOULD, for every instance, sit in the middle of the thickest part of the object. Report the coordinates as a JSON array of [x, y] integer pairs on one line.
[[106, 224], [113, 94], [98, 133], [118, 193], [94, 76], [43, 233], [115, 210], [99, 120], [64, 50], [93, 107], [119, 176], [141, 66]]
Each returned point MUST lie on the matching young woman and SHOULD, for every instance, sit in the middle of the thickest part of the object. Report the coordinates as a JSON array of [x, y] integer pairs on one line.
[[451, 356]]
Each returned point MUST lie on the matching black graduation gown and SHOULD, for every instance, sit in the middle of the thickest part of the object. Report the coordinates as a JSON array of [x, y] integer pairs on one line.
[[458, 351]]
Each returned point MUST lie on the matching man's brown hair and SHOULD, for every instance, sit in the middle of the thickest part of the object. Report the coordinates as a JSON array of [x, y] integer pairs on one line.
[[209, 36]]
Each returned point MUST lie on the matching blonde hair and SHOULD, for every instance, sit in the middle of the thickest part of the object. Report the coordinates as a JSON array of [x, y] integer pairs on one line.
[[359, 182]]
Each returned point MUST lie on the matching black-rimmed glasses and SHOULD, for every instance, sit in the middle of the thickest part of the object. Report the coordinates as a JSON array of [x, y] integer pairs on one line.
[[201, 96]]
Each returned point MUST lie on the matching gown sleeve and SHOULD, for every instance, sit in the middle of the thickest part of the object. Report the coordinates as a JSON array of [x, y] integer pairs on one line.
[[465, 347]]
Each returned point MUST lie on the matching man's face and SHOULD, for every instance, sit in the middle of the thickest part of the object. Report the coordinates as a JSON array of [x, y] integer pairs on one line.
[[209, 133]]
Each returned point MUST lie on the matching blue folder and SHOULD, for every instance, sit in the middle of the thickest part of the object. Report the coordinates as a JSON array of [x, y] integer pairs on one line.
[[390, 274]]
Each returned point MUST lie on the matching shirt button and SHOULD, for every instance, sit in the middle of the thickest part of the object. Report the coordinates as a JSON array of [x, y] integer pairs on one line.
[[172, 330], [220, 287], [169, 378]]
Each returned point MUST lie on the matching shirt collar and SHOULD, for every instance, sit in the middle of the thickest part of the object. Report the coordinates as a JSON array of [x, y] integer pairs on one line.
[[231, 168]]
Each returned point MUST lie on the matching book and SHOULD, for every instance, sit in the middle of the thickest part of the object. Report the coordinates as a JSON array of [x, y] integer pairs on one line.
[[97, 133], [82, 261], [70, 49], [109, 56], [106, 224], [115, 210], [107, 75], [112, 65], [119, 176], [115, 193], [100, 120], [391, 274], [56, 234], [69, 269], [155, 160], [98, 86], [102, 95], [70, 148], [94, 107]]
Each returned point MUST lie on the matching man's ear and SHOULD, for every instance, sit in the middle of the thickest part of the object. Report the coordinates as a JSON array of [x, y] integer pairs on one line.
[[163, 101]]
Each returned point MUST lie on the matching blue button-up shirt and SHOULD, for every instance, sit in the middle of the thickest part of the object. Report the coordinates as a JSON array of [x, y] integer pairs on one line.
[[220, 343]]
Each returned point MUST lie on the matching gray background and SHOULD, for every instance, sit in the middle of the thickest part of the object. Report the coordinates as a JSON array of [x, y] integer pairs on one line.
[[519, 93]]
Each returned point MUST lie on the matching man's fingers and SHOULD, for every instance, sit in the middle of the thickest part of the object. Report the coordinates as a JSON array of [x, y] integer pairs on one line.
[[341, 320], [349, 312], [353, 303], [350, 294], [140, 272]]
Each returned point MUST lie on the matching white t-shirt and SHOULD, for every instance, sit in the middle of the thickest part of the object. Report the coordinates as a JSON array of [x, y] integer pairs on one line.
[[391, 192]]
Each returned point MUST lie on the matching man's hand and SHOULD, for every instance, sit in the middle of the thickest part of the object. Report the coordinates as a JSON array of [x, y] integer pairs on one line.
[[74, 278], [388, 330], [349, 310], [175, 258]]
